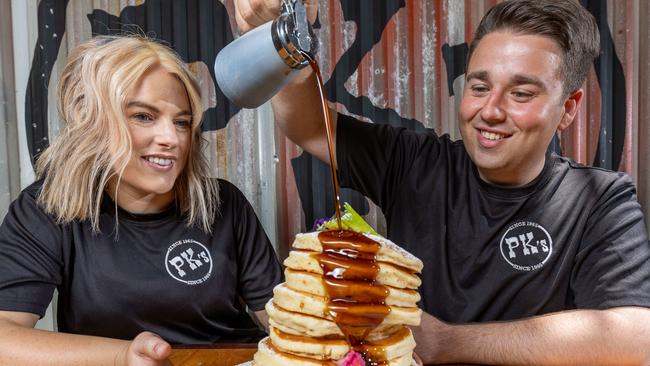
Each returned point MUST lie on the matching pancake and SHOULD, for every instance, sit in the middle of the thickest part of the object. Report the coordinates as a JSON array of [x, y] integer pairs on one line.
[[302, 302], [313, 284], [359, 294], [394, 346], [389, 275], [268, 355], [307, 325], [389, 252]]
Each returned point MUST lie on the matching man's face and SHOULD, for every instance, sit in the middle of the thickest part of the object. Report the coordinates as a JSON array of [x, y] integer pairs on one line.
[[512, 105]]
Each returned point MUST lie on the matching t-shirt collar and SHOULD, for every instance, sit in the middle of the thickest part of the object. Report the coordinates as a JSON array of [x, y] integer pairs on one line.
[[517, 192], [108, 205]]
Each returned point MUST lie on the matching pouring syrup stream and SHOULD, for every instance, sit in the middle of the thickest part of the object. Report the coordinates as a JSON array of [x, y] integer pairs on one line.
[[330, 143]]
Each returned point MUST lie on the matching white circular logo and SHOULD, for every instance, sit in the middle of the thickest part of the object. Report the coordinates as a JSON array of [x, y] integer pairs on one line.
[[526, 246], [188, 261]]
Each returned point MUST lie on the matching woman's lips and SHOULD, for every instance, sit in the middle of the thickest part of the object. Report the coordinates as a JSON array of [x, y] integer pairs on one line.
[[158, 167]]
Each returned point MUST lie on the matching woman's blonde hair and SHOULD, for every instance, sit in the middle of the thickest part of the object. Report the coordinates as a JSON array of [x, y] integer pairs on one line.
[[94, 146]]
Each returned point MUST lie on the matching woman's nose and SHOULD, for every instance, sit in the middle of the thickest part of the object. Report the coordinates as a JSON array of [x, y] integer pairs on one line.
[[166, 134]]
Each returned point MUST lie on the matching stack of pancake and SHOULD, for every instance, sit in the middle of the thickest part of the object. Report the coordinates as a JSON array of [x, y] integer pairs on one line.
[[344, 292]]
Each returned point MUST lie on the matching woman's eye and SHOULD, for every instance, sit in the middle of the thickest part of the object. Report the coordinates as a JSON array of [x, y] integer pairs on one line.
[[183, 124], [142, 117]]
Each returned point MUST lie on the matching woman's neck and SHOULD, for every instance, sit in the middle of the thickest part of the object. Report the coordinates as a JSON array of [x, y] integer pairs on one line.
[[137, 202]]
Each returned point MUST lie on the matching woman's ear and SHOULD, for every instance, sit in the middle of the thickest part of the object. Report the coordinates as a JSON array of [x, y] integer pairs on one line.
[[571, 107]]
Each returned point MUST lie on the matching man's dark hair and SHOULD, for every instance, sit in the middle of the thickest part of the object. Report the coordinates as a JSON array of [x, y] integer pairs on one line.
[[566, 22]]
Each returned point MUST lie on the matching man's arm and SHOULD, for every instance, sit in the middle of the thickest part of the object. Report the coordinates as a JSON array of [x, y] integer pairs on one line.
[[263, 319], [298, 112], [618, 336], [297, 107]]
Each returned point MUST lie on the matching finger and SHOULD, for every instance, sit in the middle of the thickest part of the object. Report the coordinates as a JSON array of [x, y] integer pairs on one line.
[[252, 13], [271, 9], [151, 346], [241, 23]]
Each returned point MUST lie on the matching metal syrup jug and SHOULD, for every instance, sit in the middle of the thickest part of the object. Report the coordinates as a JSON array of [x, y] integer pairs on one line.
[[254, 67]]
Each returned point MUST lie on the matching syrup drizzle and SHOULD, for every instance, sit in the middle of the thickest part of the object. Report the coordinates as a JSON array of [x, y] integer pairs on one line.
[[356, 300], [330, 142]]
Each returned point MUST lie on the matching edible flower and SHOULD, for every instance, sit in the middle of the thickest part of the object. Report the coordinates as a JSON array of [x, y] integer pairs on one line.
[[350, 220], [351, 359]]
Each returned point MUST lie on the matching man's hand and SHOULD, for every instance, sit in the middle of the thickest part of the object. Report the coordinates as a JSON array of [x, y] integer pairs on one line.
[[147, 349], [429, 333], [252, 13], [297, 107]]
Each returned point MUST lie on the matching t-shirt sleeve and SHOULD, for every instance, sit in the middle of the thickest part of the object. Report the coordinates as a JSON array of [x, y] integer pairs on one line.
[[259, 269], [374, 158], [30, 257], [613, 263]]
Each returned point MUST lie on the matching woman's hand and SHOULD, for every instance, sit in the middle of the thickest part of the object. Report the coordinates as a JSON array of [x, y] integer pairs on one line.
[[146, 349], [252, 13]]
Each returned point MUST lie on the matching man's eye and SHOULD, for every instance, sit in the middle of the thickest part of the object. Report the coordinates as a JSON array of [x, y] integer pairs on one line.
[[522, 96], [479, 89]]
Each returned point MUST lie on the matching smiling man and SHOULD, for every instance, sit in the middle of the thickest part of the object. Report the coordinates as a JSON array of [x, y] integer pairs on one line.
[[513, 103], [530, 258]]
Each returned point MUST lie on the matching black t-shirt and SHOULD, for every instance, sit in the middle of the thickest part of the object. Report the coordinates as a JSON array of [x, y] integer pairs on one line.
[[156, 274], [575, 237]]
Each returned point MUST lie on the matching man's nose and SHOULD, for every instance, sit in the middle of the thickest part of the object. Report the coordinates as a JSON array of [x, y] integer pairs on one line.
[[493, 110]]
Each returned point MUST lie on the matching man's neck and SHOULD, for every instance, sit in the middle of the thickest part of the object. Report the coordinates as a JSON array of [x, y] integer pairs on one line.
[[513, 179]]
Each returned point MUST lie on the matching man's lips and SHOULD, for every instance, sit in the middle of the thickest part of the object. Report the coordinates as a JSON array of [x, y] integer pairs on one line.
[[491, 138]]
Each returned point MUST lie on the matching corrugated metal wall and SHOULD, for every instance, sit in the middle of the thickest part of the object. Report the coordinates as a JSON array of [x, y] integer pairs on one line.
[[393, 61], [403, 63], [9, 173]]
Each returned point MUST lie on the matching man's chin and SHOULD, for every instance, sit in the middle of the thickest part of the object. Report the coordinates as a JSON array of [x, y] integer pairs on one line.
[[490, 171], [488, 164]]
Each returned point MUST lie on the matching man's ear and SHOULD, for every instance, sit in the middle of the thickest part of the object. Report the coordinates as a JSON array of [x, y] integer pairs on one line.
[[571, 107]]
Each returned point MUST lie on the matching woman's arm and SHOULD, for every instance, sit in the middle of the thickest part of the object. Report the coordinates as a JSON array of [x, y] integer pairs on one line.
[[20, 344]]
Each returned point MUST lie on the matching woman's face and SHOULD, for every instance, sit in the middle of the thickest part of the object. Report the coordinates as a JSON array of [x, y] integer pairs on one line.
[[160, 123]]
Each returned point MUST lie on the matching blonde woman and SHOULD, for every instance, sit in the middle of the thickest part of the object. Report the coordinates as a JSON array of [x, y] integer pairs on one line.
[[144, 249]]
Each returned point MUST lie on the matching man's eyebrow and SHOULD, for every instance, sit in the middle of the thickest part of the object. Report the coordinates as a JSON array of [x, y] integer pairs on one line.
[[480, 75], [136, 103], [519, 79]]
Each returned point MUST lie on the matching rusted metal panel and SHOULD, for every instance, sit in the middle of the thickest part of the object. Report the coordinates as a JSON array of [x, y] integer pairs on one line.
[[384, 61]]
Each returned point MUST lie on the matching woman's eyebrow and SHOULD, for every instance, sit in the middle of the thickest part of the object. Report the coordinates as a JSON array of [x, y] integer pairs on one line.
[[136, 103]]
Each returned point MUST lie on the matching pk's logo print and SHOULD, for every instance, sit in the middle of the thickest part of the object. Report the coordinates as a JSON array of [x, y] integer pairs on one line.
[[188, 261], [526, 246]]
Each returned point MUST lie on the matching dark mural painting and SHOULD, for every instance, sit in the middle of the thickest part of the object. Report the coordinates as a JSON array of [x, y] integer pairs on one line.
[[198, 30]]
